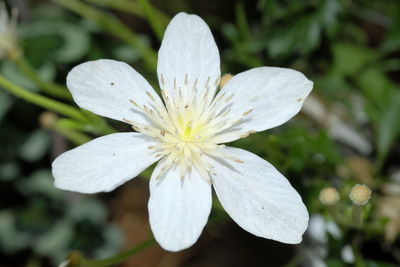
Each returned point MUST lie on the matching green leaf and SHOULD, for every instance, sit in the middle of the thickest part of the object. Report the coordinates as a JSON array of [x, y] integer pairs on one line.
[[55, 241], [62, 41], [348, 58], [10, 239], [40, 182], [6, 101], [35, 146], [11, 71], [387, 127], [88, 209], [9, 171]]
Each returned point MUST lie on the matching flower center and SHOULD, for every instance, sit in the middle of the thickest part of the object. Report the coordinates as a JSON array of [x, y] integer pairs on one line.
[[186, 125]]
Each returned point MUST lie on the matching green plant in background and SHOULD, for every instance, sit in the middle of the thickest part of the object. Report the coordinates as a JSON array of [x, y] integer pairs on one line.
[[348, 134]]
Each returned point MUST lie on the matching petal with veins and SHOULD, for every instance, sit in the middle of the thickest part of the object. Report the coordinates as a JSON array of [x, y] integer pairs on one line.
[[178, 208], [188, 53], [106, 87], [263, 98], [104, 163], [258, 197]]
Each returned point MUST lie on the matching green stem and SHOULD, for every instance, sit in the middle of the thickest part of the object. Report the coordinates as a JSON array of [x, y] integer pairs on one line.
[[241, 21], [132, 7], [41, 101], [75, 137], [73, 125], [97, 125], [359, 261], [76, 260], [357, 215], [332, 209], [113, 26], [47, 87], [155, 23]]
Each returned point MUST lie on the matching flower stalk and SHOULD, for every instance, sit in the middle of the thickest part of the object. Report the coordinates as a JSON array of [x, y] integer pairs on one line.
[[357, 215], [75, 259], [66, 127], [41, 101], [49, 88], [80, 120], [152, 17], [113, 26], [132, 7]]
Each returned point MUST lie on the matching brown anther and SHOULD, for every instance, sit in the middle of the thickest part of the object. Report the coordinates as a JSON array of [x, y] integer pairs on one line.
[[135, 128], [186, 79], [151, 96], [221, 96], [133, 102], [237, 121], [247, 112], [162, 79], [162, 132], [127, 121], [229, 98], [217, 81], [208, 80], [195, 84]]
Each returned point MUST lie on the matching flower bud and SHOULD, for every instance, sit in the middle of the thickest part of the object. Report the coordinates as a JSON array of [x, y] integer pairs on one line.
[[74, 259], [360, 194], [225, 79], [329, 196], [8, 33], [47, 119]]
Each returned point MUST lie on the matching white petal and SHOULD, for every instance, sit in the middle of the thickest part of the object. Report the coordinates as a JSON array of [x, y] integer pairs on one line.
[[270, 96], [104, 163], [105, 87], [259, 198], [188, 48], [178, 209]]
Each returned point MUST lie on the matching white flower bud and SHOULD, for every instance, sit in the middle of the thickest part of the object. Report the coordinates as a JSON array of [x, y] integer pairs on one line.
[[329, 196], [225, 79], [8, 33], [360, 194]]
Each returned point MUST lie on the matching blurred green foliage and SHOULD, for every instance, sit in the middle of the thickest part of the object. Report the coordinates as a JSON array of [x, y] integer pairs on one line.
[[349, 134]]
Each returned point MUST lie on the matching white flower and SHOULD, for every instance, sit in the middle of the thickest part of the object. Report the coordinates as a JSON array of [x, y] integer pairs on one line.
[[185, 131], [8, 32]]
